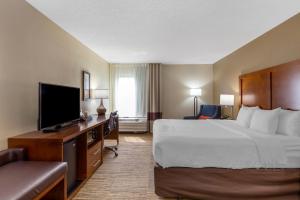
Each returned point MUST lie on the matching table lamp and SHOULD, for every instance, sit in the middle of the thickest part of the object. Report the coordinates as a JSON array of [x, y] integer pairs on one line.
[[227, 100], [100, 94]]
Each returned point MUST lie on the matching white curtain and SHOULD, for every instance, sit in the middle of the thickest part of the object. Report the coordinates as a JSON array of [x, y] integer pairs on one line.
[[130, 89]]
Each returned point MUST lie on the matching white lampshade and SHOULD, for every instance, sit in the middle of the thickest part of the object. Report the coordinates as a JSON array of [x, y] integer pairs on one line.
[[196, 92], [100, 94], [227, 99]]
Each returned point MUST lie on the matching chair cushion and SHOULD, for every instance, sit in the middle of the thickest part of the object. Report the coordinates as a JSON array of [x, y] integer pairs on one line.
[[27, 179], [204, 117]]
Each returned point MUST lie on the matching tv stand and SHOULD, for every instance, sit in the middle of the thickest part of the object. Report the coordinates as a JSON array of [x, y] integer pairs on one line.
[[52, 129], [51, 147], [58, 127]]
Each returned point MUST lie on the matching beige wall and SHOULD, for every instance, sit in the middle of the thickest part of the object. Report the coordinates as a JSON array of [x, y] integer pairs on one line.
[[33, 49], [280, 45], [176, 81]]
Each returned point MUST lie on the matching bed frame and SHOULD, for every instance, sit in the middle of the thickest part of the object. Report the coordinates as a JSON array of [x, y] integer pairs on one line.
[[274, 87]]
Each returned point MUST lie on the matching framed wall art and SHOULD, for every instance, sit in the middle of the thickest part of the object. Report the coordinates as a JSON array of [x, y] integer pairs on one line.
[[86, 85]]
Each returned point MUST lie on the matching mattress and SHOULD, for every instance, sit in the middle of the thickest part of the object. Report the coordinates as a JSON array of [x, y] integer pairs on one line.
[[222, 144]]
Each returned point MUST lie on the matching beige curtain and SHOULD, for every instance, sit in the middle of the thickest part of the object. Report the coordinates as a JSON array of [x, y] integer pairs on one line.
[[154, 111]]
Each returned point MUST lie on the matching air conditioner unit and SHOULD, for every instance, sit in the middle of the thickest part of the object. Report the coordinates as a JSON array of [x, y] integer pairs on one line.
[[136, 125]]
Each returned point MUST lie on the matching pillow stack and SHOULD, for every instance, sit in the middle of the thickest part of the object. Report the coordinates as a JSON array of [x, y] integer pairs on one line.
[[284, 122]]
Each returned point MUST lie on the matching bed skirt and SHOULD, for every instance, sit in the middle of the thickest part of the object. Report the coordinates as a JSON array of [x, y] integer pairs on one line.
[[227, 184]]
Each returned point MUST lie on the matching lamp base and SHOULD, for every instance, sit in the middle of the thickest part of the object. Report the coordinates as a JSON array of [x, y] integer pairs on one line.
[[226, 115], [101, 110]]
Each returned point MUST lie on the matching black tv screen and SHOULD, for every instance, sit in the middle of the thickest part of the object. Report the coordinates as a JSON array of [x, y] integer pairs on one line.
[[58, 105]]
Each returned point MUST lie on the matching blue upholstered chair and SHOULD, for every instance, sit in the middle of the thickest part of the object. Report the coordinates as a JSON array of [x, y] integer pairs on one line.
[[207, 112]]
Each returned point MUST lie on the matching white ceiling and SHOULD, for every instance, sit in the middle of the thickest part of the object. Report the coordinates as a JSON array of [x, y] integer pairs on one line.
[[166, 31]]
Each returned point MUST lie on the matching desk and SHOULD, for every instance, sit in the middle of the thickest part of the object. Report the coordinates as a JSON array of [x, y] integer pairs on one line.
[[41, 146]]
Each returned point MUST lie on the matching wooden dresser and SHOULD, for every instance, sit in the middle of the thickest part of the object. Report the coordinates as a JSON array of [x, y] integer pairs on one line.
[[50, 147]]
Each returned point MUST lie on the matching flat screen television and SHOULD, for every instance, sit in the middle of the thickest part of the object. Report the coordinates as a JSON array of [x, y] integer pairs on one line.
[[58, 105]]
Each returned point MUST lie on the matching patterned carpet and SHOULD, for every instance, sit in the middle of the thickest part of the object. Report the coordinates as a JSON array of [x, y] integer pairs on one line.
[[129, 176]]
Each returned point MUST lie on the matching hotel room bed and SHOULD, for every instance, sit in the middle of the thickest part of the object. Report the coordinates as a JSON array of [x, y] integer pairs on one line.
[[222, 144], [218, 159], [215, 160]]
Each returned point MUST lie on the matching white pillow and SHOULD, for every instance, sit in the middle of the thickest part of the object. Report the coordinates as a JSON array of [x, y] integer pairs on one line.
[[265, 121], [289, 123], [245, 115]]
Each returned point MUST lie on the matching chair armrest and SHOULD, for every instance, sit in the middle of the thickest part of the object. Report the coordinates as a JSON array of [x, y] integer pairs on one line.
[[11, 155], [217, 114]]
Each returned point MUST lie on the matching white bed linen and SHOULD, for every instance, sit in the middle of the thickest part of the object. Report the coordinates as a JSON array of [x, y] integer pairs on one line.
[[222, 144]]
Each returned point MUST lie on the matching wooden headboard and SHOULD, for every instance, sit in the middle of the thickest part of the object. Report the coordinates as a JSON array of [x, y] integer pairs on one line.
[[274, 87]]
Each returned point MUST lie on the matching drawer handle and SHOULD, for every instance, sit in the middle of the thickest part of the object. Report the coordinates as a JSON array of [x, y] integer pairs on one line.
[[96, 163], [96, 152]]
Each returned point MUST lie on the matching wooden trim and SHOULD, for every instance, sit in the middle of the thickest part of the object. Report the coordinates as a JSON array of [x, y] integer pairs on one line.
[[241, 92], [271, 90], [273, 87], [255, 90], [52, 186], [38, 150]]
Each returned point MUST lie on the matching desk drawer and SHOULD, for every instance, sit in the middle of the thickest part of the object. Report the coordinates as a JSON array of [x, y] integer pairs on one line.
[[91, 168], [94, 157], [95, 152]]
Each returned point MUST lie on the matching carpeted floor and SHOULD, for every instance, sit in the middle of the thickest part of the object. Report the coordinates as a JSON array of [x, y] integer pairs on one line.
[[128, 176]]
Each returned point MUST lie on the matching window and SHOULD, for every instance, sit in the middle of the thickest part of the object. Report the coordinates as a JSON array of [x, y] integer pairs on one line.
[[126, 101], [130, 89]]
